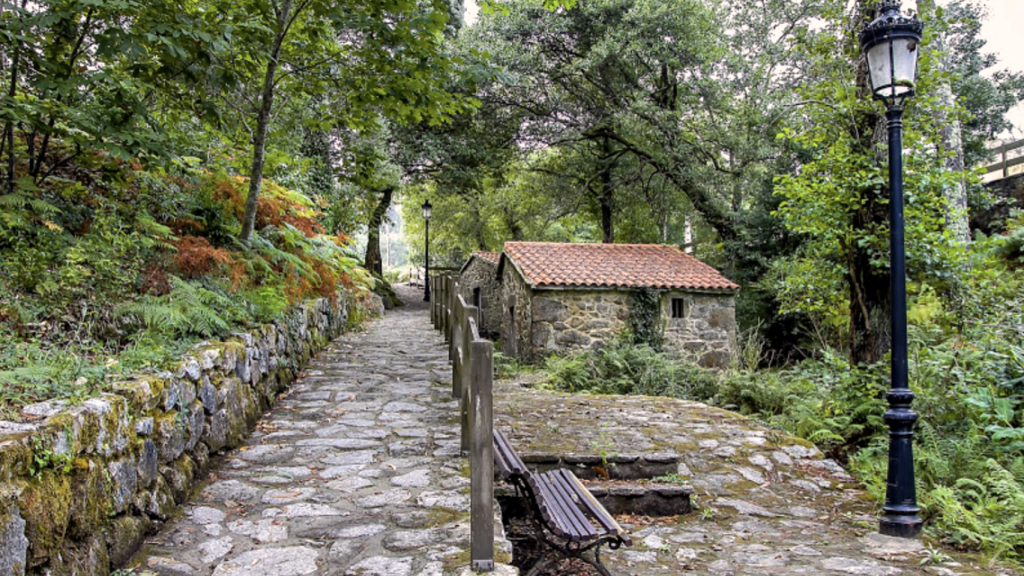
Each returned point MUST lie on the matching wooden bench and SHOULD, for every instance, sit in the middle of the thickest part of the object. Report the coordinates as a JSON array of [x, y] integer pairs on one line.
[[571, 522]]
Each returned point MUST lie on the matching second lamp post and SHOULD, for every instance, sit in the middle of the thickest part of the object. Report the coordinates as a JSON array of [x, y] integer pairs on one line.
[[427, 207], [892, 44]]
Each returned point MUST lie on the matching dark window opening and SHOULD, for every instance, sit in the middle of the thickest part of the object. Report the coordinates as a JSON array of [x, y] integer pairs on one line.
[[476, 296], [678, 310]]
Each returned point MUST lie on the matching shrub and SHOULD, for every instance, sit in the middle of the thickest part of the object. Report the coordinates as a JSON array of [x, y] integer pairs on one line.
[[632, 369]]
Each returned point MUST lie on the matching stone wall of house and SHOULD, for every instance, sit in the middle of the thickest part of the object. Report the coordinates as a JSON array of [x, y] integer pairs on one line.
[[515, 328], [81, 486], [480, 273], [571, 320], [707, 332]]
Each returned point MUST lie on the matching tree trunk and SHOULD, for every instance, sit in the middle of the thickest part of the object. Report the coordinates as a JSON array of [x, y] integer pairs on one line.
[[373, 261], [259, 140], [9, 126], [607, 196], [951, 139], [870, 303]]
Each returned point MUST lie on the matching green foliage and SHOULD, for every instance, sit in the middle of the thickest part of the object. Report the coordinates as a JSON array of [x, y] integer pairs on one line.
[[826, 401], [187, 310], [985, 513], [631, 369], [644, 322]]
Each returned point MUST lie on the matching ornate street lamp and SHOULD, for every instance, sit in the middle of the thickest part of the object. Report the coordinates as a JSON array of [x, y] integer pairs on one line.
[[427, 207], [892, 43]]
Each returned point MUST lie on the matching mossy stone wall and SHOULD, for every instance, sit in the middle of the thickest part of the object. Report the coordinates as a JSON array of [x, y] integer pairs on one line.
[[81, 486], [479, 273]]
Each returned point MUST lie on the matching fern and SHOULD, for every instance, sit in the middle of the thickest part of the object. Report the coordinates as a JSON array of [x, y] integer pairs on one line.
[[986, 514], [187, 310]]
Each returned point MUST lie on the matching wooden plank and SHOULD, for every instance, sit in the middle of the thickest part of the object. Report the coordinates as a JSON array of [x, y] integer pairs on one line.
[[516, 464], [558, 518], [482, 452], [595, 508], [1007, 165], [566, 507]]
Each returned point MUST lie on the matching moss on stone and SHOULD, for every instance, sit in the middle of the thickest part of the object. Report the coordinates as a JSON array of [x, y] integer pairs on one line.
[[90, 503], [124, 535], [15, 456], [45, 504]]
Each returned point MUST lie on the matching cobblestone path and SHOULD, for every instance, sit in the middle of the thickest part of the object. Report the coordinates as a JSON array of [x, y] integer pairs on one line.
[[355, 471]]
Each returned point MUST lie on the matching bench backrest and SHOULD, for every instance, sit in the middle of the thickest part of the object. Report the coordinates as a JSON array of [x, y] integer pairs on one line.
[[509, 463]]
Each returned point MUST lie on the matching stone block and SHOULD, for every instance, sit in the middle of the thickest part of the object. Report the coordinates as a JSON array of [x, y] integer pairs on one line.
[[13, 543], [149, 459], [548, 310], [89, 503], [124, 477], [123, 536], [572, 338], [45, 505], [715, 359], [170, 436]]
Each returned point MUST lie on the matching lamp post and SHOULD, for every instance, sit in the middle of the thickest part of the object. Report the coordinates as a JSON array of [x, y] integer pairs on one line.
[[891, 43], [427, 207]]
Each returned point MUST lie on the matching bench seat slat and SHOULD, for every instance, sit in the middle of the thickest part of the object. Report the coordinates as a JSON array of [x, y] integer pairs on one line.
[[563, 492], [595, 508], [566, 519]]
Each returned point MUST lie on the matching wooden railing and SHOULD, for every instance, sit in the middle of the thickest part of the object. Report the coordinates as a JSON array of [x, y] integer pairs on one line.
[[472, 379], [1005, 162]]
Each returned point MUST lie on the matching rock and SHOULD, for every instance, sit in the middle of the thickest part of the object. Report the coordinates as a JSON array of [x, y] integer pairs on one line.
[[215, 549], [231, 491], [744, 507], [412, 539], [124, 477], [859, 567], [360, 531], [290, 561], [262, 531], [205, 515], [13, 543], [386, 498], [381, 566], [414, 479], [169, 566], [148, 463]]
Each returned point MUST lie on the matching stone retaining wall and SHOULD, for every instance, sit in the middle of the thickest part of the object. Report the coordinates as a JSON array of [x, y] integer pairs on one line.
[[81, 486]]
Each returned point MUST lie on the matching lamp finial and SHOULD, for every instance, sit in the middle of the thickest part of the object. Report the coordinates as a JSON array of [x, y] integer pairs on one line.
[[889, 6]]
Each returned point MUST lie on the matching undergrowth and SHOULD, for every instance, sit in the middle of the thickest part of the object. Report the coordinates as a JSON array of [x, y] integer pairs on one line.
[[124, 269]]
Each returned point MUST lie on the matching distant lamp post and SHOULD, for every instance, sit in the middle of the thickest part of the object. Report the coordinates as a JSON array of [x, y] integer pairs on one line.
[[892, 44], [427, 207]]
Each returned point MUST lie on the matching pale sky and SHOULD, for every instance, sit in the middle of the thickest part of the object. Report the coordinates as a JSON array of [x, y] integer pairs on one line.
[[1001, 29], [1005, 21]]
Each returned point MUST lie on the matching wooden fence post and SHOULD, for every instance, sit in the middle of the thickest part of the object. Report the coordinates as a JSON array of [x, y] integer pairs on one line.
[[481, 463], [457, 350], [469, 335]]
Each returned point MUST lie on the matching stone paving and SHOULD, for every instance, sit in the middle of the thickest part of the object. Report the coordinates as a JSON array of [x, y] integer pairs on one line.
[[356, 471]]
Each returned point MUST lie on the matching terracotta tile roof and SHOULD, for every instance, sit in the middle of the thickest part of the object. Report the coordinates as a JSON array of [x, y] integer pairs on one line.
[[549, 264], [491, 257]]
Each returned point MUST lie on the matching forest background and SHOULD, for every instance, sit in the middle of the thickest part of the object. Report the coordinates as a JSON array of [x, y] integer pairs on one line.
[[173, 171]]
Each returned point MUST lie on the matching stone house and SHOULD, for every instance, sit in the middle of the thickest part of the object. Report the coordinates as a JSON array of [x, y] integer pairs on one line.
[[558, 297], [478, 285]]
